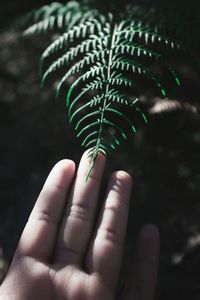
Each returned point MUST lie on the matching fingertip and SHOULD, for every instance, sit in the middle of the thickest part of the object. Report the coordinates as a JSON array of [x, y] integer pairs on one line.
[[62, 172], [101, 155], [123, 175], [65, 163], [86, 162], [124, 178]]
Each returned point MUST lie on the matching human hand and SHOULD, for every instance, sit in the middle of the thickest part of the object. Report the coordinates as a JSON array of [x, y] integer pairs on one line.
[[64, 254]]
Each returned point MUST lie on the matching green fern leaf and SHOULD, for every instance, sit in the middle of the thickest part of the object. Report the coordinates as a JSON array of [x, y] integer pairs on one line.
[[59, 16], [102, 58], [85, 47]]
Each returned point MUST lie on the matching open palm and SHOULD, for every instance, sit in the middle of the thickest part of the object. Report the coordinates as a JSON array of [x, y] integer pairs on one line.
[[65, 254]]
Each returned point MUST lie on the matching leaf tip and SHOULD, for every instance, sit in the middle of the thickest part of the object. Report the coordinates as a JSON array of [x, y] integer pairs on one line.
[[57, 92], [163, 92], [178, 81]]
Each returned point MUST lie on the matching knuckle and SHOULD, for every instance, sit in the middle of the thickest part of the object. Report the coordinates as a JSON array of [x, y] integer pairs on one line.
[[42, 216], [81, 211], [109, 235]]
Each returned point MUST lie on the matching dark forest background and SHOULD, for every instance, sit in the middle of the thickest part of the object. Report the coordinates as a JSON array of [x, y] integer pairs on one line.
[[163, 157]]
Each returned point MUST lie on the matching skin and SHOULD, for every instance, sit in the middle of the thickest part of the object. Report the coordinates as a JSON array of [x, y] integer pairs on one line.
[[67, 252]]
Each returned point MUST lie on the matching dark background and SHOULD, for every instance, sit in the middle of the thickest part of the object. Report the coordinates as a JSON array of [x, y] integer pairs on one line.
[[163, 158]]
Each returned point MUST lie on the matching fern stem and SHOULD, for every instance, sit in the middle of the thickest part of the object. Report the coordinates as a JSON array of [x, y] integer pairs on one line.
[[105, 105], [108, 76]]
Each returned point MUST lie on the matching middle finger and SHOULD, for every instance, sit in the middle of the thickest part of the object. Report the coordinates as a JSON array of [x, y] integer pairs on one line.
[[77, 224]]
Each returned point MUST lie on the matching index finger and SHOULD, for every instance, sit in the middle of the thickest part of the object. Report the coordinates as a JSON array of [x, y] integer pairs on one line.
[[40, 232]]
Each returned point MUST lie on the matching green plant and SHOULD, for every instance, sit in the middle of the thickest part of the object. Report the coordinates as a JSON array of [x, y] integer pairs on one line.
[[105, 55]]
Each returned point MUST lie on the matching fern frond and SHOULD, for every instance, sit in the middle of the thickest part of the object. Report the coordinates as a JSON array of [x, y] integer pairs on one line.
[[135, 49], [173, 17], [95, 85], [126, 64], [136, 29], [51, 15], [76, 32], [94, 71], [87, 60], [96, 100], [119, 79], [124, 117], [91, 44], [104, 58], [57, 16]]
